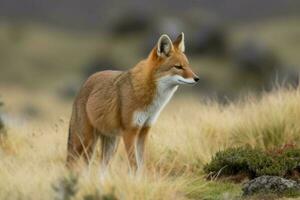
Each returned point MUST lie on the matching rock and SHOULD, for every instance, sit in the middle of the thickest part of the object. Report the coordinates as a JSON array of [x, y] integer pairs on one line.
[[270, 184], [286, 77], [257, 65], [130, 23], [30, 110], [69, 90], [208, 39], [98, 64], [254, 57]]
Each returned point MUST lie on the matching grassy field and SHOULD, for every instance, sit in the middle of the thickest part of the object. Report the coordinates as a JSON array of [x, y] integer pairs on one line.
[[186, 136], [37, 61]]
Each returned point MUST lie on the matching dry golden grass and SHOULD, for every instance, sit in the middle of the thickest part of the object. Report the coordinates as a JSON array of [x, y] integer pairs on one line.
[[187, 134]]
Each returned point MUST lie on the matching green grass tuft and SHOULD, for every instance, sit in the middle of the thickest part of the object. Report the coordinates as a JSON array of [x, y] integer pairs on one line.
[[215, 190]]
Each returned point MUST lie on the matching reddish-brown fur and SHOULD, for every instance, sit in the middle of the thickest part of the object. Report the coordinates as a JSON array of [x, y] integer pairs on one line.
[[107, 101]]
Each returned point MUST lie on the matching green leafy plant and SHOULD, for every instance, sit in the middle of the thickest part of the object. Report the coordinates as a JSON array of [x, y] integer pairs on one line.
[[253, 162]]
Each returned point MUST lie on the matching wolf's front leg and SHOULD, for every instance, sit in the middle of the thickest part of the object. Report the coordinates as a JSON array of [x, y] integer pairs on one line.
[[130, 137], [140, 147]]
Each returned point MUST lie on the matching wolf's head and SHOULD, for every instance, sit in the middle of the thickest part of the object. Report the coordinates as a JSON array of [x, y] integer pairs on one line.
[[170, 62]]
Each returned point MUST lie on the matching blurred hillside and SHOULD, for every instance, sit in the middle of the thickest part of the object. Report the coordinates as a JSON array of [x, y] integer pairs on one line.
[[94, 14], [234, 46]]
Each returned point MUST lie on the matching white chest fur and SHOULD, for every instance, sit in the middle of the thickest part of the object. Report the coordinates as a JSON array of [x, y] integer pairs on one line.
[[165, 90]]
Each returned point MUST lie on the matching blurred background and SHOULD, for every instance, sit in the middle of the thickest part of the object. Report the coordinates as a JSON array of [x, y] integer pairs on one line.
[[48, 48]]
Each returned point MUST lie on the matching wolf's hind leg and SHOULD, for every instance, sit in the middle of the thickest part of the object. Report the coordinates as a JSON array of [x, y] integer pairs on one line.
[[81, 145], [109, 145]]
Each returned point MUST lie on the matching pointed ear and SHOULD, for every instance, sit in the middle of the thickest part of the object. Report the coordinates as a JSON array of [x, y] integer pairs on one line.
[[179, 42], [164, 46]]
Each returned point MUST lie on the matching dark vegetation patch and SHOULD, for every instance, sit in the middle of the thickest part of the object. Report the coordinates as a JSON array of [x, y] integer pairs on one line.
[[2, 125], [67, 188], [251, 163]]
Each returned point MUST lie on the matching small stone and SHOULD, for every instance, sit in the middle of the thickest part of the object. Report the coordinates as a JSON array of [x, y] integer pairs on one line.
[[270, 184]]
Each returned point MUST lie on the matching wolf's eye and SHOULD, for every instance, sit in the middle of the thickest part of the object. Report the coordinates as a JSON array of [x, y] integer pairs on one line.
[[178, 67]]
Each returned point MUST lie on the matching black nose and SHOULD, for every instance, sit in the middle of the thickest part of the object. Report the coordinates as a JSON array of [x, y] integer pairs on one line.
[[196, 79]]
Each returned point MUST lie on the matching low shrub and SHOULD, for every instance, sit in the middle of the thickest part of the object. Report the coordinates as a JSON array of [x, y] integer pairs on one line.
[[253, 162], [66, 188]]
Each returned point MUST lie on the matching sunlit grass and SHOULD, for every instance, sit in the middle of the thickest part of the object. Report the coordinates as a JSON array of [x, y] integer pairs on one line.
[[186, 136]]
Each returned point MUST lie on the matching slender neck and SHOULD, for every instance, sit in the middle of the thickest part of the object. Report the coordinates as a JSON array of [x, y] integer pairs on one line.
[[143, 82]]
